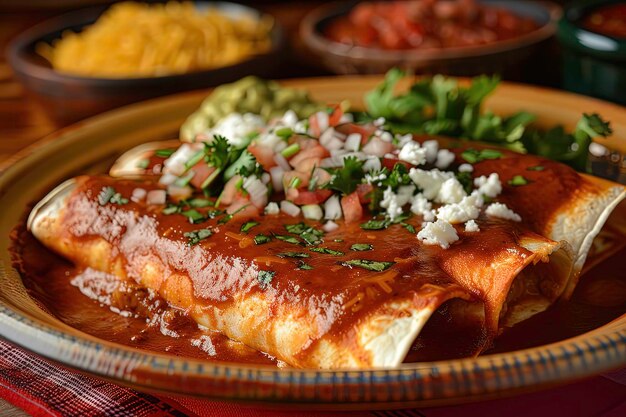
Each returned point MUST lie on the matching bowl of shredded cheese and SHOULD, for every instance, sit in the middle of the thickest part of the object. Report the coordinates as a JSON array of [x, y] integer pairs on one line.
[[95, 59]]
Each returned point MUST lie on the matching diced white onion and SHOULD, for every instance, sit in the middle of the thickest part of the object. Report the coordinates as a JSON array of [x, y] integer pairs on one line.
[[322, 120], [282, 162], [277, 174], [179, 193], [332, 208], [167, 179], [156, 197], [265, 178], [375, 147], [175, 164], [330, 226], [138, 195], [353, 142], [312, 212], [272, 208], [372, 164], [257, 191], [289, 208]]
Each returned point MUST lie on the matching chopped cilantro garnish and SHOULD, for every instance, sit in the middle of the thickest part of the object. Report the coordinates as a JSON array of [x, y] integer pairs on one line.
[[473, 156], [368, 264], [288, 239], [361, 247], [261, 239], [171, 209], [143, 163], [164, 153], [184, 180], [265, 278], [196, 236], [284, 132], [409, 227], [375, 224], [294, 183], [535, 168], [293, 255], [518, 180], [296, 228], [307, 233], [248, 225], [109, 195], [346, 178], [327, 251], [199, 202], [194, 216], [304, 266], [195, 158], [398, 176], [466, 180]]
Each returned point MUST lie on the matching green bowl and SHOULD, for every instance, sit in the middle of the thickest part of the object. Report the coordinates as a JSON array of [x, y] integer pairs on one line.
[[593, 64]]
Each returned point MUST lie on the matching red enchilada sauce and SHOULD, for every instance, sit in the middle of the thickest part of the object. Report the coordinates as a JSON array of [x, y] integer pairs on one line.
[[607, 20], [97, 305]]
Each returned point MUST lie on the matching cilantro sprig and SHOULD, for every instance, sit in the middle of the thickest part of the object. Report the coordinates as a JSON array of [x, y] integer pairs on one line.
[[441, 106]]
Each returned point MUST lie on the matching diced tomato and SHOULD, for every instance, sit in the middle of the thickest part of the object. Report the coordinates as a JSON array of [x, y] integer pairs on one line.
[[318, 152], [230, 192], [312, 197], [245, 213], [389, 163], [308, 164], [201, 172], [351, 206], [314, 126], [335, 116], [364, 130], [289, 176], [263, 154], [364, 192]]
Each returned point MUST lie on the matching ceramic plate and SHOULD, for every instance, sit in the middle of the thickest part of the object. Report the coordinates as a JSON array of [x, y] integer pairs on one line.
[[92, 145]]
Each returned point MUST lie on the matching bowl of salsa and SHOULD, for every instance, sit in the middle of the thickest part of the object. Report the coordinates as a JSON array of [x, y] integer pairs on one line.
[[457, 37], [593, 38]]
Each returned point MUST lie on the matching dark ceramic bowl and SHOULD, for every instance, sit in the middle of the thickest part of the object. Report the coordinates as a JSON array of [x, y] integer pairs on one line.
[[593, 64], [69, 98], [504, 57]]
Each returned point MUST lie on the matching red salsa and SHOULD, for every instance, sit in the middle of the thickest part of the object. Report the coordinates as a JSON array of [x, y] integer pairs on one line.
[[608, 20], [426, 24]]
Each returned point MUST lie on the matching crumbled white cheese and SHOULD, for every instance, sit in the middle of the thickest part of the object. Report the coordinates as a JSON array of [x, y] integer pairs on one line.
[[272, 208], [467, 209], [439, 233], [379, 122], [236, 127], [413, 153], [429, 181], [502, 211], [451, 191], [444, 159], [374, 179], [392, 204], [431, 146], [405, 194], [471, 226], [420, 205], [466, 168], [489, 186], [404, 139]]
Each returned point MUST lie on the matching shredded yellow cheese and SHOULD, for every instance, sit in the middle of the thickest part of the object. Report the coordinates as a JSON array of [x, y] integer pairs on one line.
[[138, 40]]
